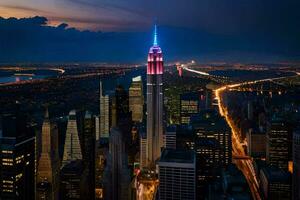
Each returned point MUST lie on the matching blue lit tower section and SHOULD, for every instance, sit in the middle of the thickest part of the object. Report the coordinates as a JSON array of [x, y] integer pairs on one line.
[[154, 103]]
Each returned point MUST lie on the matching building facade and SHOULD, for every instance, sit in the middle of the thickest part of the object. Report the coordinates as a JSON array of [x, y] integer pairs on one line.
[[177, 174], [48, 163], [154, 103], [275, 183], [104, 113], [136, 99], [277, 144], [17, 166]]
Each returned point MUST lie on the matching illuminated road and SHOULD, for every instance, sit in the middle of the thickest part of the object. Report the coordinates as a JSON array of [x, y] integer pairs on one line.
[[195, 71], [245, 165]]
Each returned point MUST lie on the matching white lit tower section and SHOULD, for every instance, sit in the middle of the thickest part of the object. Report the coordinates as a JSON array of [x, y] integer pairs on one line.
[[154, 103], [72, 149]]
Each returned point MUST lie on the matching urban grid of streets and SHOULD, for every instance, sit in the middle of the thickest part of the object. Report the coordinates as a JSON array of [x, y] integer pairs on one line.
[[147, 189], [245, 163]]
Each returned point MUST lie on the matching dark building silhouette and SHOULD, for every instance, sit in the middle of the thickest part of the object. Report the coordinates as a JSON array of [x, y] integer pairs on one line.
[[277, 143], [71, 180], [17, 166], [89, 156], [212, 145]]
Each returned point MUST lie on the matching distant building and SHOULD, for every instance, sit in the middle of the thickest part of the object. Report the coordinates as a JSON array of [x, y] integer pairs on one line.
[[121, 105], [155, 69], [189, 105], [170, 137], [177, 174], [72, 148], [17, 166], [123, 119], [256, 143], [104, 113], [277, 144], [143, 150], [97, 128], [71, 180], [296, 166], [275, 183], [136, 99], [212, 145], [48, 163]]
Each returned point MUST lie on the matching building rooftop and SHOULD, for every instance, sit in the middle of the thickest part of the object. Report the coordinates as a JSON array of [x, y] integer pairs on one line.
[[190, 96], [171, 128], [275, 174], [178, 156]]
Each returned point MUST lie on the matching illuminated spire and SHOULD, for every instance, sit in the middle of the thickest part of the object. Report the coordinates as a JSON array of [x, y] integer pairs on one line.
[[155, 36]]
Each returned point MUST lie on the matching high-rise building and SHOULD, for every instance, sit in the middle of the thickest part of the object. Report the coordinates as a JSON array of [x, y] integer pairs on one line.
[[277, 144], [136, 99], [72, 148], [296, 165], [143, 149], [48, 164], [97, 128], [275, 183], [117, 174], [104, 114], [89, 156], [71, 180], [212, 145], [17, 166], [177, 174], [189, 105], [121, 101], [154, 103], [256, 141]]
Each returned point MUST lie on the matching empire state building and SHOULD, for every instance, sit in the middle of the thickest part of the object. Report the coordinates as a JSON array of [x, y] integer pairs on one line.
[[154, 103]]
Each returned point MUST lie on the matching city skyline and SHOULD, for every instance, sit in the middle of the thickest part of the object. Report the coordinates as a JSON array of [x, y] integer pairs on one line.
[[96, 106]]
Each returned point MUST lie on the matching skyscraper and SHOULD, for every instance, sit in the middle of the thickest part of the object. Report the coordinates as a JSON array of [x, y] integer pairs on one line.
[[275, 183], [71, 180], [48, 163], [189, 105], [72, 149], [177, 173], [89, 156], [212, 145], [143, 149], [117, 174], [154, 102], [277, 143], [104, 114], [136, 99], [17, 166]]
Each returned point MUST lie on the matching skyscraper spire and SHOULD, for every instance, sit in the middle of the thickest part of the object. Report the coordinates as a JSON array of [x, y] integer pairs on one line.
[[155, 36]]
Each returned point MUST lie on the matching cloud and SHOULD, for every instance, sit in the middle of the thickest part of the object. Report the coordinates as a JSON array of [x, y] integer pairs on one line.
[[32, 40], [24, 8]]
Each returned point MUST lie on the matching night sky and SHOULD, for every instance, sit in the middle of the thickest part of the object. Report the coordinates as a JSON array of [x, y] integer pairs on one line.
[[120, 30]]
